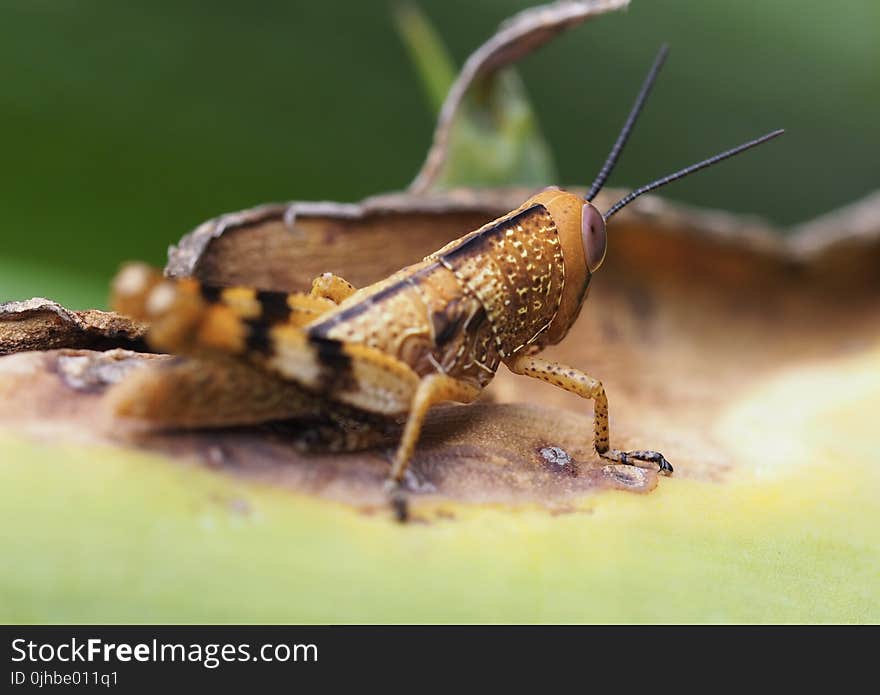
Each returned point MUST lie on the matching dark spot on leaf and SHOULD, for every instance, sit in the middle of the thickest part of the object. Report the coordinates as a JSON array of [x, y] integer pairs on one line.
[[626, 476], [558, 460]]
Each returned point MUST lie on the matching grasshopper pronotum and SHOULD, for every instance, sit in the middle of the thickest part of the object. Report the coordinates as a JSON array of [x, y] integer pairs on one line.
[[434, 331]]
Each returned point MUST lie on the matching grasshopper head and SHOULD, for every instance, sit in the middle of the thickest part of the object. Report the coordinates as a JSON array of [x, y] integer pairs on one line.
[[582, 239]]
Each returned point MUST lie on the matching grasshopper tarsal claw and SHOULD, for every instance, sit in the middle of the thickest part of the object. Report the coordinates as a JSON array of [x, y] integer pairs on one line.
[[665, 466], [398, 499], [627, 457]]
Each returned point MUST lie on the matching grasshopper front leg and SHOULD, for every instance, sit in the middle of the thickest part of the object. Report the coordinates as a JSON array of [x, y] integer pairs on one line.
[[577, 382]]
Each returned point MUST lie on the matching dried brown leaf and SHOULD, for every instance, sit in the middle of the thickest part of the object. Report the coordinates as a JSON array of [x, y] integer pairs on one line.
[[41, 324], [691, 310]]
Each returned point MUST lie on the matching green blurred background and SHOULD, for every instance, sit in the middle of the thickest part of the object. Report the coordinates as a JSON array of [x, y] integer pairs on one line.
[[125, 124]]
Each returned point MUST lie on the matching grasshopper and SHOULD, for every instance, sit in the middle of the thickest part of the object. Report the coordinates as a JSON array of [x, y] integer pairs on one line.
[[433, 332]]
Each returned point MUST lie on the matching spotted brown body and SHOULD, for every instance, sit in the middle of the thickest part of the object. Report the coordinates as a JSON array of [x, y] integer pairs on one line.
[[463, 309]]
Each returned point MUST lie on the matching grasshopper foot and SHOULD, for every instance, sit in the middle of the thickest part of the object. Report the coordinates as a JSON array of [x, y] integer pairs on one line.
[[397, 497], [628, 457]]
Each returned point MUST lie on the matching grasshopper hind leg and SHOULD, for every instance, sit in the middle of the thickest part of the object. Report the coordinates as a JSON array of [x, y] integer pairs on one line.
[[369, 381], [350, 431]]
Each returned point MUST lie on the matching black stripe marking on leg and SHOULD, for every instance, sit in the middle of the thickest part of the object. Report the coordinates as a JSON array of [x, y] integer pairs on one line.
[[336, 367], [258, 337], [210, 293], [273, 306]]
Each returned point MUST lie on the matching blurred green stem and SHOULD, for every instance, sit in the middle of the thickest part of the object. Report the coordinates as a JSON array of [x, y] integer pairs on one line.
[[427, 52]]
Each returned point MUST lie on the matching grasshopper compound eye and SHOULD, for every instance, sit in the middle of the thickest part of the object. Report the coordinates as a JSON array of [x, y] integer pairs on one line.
[[593, 237]]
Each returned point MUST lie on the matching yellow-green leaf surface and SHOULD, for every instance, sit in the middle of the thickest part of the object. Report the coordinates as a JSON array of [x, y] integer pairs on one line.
[[753, 364], [97, 534]]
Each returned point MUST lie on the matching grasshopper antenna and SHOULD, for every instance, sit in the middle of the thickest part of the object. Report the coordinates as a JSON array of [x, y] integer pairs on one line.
[[614, 155], [623, 202]]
